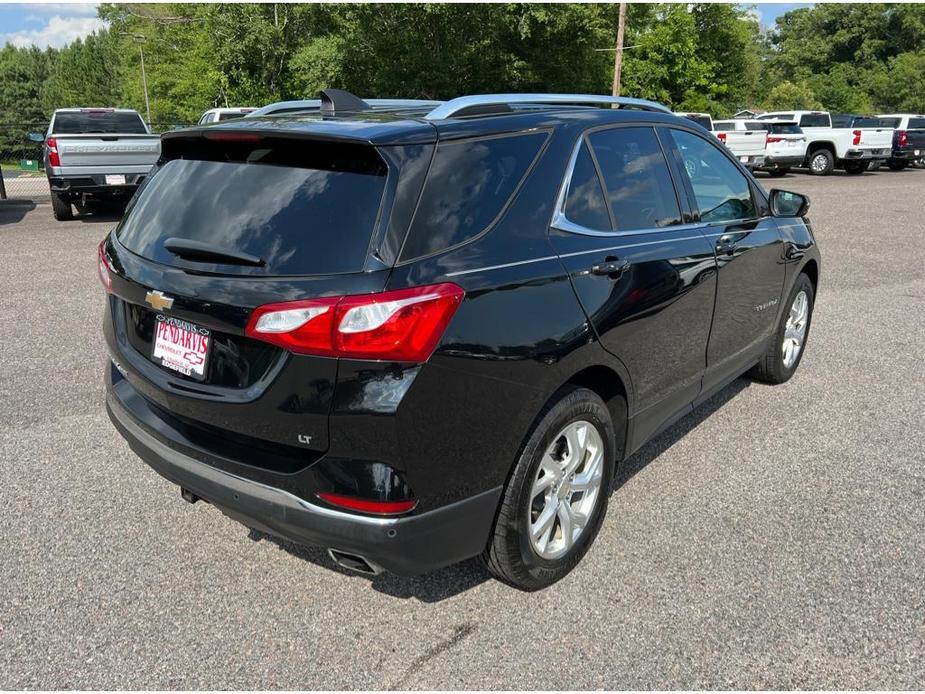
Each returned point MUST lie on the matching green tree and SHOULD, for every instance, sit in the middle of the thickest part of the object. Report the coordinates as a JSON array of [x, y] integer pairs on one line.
[[788, 95]]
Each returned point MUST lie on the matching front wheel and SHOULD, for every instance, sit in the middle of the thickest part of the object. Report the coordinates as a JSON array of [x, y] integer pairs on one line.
[[556, 498], [787, 344]]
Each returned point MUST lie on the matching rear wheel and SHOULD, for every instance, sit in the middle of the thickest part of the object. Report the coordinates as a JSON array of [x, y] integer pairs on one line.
[[897, 165], [786, 347], [61, 208], [855, 167], [821, 162], [556, 498]]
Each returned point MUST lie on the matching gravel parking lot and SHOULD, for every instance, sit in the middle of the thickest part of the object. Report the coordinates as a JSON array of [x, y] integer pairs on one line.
[[773, 539]]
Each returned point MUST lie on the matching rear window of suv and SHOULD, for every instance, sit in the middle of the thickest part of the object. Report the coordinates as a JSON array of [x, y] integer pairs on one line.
[[303, 207], [89, 122], [915, 123], [468, 186]]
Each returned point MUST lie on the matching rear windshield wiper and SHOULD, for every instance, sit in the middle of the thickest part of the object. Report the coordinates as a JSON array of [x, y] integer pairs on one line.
[[197, 250]]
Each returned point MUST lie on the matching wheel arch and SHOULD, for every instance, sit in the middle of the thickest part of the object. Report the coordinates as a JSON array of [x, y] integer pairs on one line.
[[607, 384], [811, 270]]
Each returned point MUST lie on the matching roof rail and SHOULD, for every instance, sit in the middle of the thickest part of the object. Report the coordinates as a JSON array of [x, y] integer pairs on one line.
[[315, 105], [455, 107]]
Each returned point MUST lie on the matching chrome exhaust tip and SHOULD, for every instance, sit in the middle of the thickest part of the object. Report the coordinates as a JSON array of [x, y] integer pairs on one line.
[[355, 562]]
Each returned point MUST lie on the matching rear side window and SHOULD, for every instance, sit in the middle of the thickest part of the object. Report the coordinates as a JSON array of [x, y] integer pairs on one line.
[[703, 121], [724, 125], [303, 207], [782, 116], [721, 190], [889, 122], [585, 203], [231, 115], [814, 120], [636, 176], [467, 187], [88, 122], [916, 123]]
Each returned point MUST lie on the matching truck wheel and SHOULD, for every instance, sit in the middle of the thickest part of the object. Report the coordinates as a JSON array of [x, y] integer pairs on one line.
[[556, 497], [897, 165], [821, 162], [855, 167], [777, 173], [787, 344], [61, 208]]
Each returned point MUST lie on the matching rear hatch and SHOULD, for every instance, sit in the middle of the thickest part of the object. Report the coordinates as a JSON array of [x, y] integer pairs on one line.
[[783, 139], [227, 223], [103, 140], [914, 138]]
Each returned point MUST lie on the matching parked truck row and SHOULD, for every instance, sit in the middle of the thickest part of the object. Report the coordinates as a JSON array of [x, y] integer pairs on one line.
[[820, 141]]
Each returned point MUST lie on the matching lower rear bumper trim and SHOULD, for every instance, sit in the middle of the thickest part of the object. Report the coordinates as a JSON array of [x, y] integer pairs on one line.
[[410, 545]]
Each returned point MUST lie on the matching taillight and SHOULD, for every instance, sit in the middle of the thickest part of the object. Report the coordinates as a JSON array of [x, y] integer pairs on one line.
[[104, 266], [53, 158], [397, 325], [722, 137], [903, 138], [771, 140], [382, 508], [857, 137]]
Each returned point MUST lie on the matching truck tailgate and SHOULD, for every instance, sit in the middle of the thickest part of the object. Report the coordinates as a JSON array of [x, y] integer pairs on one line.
[[109, 152], [745, 143], [876, 138]]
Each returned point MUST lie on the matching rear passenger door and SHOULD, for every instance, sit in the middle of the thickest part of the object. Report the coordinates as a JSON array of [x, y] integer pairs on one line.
[[749, 255], [643, 272]]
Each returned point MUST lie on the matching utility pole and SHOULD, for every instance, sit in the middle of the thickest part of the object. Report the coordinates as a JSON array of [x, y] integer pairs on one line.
[[618, 52], [140, 40]]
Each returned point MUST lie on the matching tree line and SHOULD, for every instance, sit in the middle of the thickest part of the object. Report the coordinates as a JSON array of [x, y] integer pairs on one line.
[[698, 57]]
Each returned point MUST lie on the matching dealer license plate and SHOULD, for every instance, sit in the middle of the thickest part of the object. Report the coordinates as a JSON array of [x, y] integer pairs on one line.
[[115, 180], [744, 160], [181, 346]]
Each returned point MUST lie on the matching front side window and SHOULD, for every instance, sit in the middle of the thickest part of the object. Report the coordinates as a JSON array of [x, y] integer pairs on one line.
[[467, 187], [721, 190], [585, 203], [636, 176]]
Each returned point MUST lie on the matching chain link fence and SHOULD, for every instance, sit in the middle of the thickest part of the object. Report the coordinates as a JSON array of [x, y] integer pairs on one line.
[[22, 166]]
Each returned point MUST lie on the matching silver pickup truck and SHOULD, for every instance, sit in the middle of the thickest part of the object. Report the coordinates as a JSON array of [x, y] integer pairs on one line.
[[96, 154]]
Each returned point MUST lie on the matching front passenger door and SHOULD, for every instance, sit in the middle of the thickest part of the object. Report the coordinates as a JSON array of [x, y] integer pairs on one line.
[[749, 257]]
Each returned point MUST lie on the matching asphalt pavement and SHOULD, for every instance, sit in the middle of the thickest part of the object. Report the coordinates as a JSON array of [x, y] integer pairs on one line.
[[773, 539]]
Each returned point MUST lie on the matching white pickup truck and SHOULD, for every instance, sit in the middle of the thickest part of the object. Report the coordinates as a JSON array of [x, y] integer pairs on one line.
[[747, 145], [96, 154], [852, 149]]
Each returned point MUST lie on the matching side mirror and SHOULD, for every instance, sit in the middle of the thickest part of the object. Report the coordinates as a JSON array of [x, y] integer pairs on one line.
[[787, 204], [36, 137]]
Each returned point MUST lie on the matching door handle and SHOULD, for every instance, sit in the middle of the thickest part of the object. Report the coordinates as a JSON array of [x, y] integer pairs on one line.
[[611, 267], [726, 244]]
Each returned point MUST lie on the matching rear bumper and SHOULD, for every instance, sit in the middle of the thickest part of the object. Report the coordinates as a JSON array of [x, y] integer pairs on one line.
[[95, 185], [781, 162], [408, 545], [907, 154], [866, 154]]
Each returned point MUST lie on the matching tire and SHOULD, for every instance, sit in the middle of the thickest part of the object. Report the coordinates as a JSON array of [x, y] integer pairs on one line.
[[777, 173], [512, 555], [60, 208], [821, 162], [855, 167], [897, 165], [774, 366]]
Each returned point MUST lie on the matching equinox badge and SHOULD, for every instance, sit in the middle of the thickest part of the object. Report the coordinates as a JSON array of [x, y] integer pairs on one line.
[[158, 300]]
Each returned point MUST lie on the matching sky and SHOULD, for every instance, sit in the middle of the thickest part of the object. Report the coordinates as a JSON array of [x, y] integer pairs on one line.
[[57, 24]]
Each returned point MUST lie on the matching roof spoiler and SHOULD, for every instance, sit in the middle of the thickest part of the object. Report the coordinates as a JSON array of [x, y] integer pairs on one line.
[[334, 101]]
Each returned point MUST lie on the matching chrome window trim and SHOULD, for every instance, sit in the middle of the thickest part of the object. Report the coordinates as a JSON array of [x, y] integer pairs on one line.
[[561, 222]]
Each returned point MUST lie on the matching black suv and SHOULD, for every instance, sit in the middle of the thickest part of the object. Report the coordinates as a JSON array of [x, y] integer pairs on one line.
[[416, 334]]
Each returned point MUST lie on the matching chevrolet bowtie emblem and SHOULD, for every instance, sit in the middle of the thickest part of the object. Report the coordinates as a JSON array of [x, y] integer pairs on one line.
[[158, 300]]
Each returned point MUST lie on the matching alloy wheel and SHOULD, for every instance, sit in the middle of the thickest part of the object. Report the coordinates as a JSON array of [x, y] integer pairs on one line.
[[795, 329], [566, 489]]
